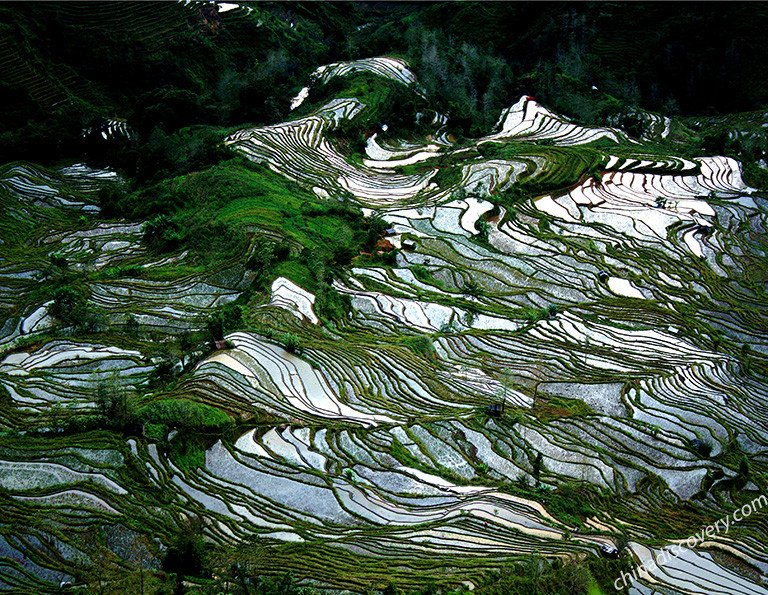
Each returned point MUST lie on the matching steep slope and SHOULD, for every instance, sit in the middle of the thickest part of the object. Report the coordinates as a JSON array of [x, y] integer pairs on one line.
[[556, 340]]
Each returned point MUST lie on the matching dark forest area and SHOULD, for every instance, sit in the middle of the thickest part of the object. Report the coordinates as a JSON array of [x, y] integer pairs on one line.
[[162, 67]]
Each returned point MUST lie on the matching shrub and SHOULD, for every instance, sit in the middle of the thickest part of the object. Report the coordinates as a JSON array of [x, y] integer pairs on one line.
[[484, 228], [421, 345], [185, 415], [290, 342], [132, 326], [702, 447], [330, 304], [745, 470], [131, 270], [153, 431], [187, 452], [264, 254], [422, 273], [537, 575], [376, 226], [59, 260], [225, 319], [185, 556], [113, 199], [116, 406], [69, 306], [472, 288], [162, 233], [538, 466]]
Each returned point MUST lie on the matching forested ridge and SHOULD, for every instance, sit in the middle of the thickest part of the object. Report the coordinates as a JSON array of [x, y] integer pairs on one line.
[[162, 66]]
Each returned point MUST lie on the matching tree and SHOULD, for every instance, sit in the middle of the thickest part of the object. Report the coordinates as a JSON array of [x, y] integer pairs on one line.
[[162, 233], [116, 405], [421, 345], [112, 198], [745, 470], [140, 553], [484, 229], [538, 465], [185, 555], [263, 256], [70, 306], [225, 319], [376, 227], [290, 342], [59, 261], [66, 301], [472, 288], [131, 326]]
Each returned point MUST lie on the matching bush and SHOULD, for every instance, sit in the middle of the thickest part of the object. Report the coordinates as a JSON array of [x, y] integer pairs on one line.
[[187, 150], [702, 447], [467, 81], [185, 555], [290, 342], [69, 305], [538, 466], [130, 270], [375, 228], [472, 288], [225, 319], [185, 415], [484, 228], [422, 273], [330, 304], [113, 199], [265, 254], [162, 233], [59, 260], [116, 406], [421, 345], [537, 575]]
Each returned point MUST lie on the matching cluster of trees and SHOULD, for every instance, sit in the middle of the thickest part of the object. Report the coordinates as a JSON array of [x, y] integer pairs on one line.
[[747, 145], [240, 571], [466, 82], [161, 67], [119, 408], [537, 576], [472, 58], [70, 306], [702, 59]]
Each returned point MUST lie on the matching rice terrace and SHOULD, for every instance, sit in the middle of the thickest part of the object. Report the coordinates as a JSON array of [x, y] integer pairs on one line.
[[384, 298]]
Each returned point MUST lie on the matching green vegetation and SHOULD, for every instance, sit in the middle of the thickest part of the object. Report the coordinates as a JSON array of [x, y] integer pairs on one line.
[[117, 406], [547, 407], [69, 305], [139, 447], [290, 342], [536, 576], [186, 416], [290, 233], [420, 345], [385, 101]]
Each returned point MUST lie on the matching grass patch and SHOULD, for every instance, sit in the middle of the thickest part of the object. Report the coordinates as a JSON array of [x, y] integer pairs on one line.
[[185, 415], [549, 407], [420, 345], [186, 454]]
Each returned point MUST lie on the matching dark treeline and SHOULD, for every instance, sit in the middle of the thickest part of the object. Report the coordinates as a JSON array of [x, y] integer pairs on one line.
[[676, 58], [162, 66]]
